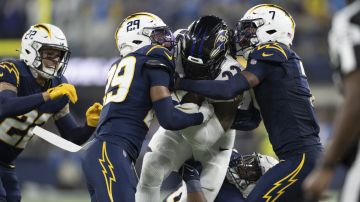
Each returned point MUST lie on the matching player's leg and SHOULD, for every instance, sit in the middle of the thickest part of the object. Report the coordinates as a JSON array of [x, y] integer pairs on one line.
[[215, 162], [351, 190], [168, 152], [282, 183], [204, 136], [109, 173], [10, 185], [229, 193]]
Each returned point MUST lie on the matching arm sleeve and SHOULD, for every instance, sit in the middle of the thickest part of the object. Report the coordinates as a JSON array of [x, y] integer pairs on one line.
[[259, 68], [169, 117], [11, 105], [157, 77], [173, 119], [225, 89], [70, 130]]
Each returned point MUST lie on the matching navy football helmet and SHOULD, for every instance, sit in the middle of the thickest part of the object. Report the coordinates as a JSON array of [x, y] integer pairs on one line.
[[206, 44]]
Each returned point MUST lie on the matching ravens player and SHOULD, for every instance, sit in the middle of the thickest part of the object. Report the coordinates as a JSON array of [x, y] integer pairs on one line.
[[33, 89], [277, 78], [138, 84], [204, 54]]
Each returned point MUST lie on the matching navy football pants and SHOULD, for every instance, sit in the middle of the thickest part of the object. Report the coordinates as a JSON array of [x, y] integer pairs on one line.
[[109, 173], [282, 183], [9, 185]]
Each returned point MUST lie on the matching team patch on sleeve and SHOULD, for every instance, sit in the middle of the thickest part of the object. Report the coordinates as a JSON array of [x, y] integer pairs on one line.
[[9, 73], [270, 52]]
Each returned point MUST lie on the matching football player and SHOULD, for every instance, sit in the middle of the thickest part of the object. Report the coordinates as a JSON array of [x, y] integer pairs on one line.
[[241, 176], [204, 54], [138, 84], [344, 44], [280, 89], [33, 89]]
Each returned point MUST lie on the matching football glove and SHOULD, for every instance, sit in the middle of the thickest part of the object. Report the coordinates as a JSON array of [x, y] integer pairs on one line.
[[190, 170], [61, 90], [93, 114]]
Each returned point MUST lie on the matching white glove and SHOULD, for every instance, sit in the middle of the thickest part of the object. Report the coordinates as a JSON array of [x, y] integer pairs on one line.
[[207, 110]]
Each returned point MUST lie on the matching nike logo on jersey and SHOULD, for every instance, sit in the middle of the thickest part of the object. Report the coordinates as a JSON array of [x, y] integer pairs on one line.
[[266, 54], [168, 56]]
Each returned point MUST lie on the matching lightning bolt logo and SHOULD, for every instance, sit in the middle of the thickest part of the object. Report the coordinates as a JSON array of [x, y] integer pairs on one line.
[[273, 46], [109, 176], [11, 68], [287, 181]]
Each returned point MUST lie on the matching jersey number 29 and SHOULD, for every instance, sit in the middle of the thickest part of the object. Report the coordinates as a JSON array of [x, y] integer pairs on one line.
[[119, 80]]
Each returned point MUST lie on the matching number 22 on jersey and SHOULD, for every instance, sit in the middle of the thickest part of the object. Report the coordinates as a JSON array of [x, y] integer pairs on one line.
[[119, 80]]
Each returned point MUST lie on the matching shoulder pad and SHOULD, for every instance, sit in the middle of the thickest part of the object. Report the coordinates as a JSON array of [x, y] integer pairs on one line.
[[159, 51], [158, 65], [9, 73], [161, 55], [273, 52]]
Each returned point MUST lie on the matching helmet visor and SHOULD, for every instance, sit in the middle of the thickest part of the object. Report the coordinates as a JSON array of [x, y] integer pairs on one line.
[[245, 33], [161, 35]]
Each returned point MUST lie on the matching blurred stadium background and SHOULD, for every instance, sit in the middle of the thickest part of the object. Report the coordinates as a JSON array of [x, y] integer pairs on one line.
[[49, 174]]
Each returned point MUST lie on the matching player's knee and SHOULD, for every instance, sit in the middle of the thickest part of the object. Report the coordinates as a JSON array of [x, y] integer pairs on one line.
[[155, 168]]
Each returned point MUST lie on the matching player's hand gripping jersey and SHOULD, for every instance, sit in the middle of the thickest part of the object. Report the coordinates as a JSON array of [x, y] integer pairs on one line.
[[202, 51]]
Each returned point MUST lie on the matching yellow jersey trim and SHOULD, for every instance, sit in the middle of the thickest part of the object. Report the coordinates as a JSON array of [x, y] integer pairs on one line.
[[11, 67], [273, 46]]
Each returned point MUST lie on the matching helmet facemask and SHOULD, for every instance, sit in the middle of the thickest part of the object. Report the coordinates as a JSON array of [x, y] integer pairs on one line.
[[244, 170], [245, 35], [50, 60], [160, 36]]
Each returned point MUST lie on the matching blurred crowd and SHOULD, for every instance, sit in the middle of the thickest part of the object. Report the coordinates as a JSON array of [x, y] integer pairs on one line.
[[90, 24]]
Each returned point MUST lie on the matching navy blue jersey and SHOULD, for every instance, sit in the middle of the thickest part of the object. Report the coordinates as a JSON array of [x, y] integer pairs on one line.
[[15, 131], [127, 110], [284, 99]]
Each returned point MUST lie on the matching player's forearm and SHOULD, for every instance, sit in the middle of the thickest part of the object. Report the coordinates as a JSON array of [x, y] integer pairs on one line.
[[346, 132], [216, 89], [11, 105], [195, 193], [173, 119], [70, 130]]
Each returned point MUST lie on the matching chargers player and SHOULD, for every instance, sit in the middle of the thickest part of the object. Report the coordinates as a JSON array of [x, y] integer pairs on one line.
[[281, 91], [241, 176], [33, 89], [137, 83], [204, 54]]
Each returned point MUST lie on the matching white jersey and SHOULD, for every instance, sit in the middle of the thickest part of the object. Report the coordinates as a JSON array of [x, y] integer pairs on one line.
[[207, 143]]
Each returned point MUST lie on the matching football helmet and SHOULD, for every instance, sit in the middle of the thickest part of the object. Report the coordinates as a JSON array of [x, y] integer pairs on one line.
[[142, 29], [36, 44], [205, 45], [262, 24], [245, 170]]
